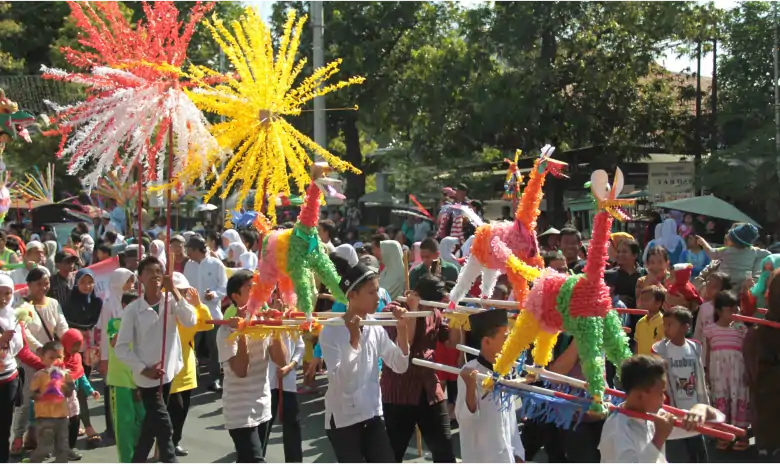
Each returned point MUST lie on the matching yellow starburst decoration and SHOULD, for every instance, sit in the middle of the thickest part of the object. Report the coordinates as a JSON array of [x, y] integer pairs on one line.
[[254, 100]]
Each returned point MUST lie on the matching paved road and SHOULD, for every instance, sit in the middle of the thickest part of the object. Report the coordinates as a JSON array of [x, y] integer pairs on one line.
[[208, 441]]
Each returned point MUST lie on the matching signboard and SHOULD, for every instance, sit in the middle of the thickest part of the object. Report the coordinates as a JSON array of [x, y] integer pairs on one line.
[[670, 181]]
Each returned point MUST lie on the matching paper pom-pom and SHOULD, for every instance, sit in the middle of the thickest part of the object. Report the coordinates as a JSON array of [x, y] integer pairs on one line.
[[543, 347], [541, 301], [615, 340], [24, 313], [522, 335]]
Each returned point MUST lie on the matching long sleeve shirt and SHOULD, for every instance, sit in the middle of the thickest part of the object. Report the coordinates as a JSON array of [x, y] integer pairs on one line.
[[353, 394], [139, 343], [490, 433], [207, 275], [289, 383]]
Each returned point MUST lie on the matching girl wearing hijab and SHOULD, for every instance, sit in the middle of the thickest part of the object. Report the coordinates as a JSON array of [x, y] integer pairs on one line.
[[12, 346], [347, 252], [82, 312], [120, 281], [230, 236], [446, 249], [51, 250], [157, 249], [666, 236], [72, 342], [234, 252]]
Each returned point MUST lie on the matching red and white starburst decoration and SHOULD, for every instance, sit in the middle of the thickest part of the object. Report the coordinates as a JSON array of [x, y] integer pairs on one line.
[[135, 83]]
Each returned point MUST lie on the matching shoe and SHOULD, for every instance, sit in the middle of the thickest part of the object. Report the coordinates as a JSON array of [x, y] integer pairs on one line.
[[74, 455], [179, 451], [215, 387]]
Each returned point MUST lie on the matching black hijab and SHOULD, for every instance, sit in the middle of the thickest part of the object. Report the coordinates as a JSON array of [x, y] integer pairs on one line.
[[82, 311]]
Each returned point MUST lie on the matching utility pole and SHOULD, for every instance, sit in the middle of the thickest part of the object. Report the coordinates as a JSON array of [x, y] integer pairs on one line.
[[714, 100], [319, 61], [697, 140], [777, 89], [222, 210]]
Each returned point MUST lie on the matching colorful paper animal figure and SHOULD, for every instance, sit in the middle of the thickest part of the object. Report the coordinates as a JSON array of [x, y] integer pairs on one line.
[[519, 236], [580, 304], [291, 258]]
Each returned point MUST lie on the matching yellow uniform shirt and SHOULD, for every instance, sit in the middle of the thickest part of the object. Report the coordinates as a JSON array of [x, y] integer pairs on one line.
[[187, 378], [649, 331]]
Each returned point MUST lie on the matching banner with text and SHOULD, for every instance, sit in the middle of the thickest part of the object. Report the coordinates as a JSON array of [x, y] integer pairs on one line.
[[670, 181]]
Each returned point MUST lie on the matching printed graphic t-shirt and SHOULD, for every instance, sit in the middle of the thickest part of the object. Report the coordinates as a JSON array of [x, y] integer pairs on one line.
[[682, 367]]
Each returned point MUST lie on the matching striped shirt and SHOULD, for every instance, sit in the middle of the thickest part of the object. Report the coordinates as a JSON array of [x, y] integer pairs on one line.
[[60, 288], [725, 338], [246, 402], [408, 388]]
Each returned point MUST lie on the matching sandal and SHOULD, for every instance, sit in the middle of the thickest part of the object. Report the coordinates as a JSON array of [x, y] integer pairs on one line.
[[722, 445], [17, 447], [94, 441], [741, 445]]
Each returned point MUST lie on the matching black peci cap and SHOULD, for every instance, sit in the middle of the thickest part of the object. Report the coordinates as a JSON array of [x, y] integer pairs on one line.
[[482, 322], [354, 276]]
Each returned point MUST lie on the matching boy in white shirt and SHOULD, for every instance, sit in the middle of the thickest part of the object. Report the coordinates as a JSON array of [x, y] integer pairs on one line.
[[140, 345], [285, 377], [353, 402], [625, 439], [488, 432]]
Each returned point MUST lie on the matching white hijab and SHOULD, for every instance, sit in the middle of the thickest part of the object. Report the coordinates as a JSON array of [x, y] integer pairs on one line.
[[235, 250], [669, 238], [348, 252], [112, 304], [446, 247], [157, 249], [8, 322], [248, 261], [231, 236]]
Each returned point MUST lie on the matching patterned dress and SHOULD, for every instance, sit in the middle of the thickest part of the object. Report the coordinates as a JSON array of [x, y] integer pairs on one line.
[[727, 372]]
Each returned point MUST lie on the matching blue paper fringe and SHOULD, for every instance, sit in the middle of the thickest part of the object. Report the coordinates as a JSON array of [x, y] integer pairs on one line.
[[563, 413]]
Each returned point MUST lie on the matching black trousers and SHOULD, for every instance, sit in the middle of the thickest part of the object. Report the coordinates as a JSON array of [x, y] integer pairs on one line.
[[107, 407], [73, 431], [291, 425], [582, 443], [157, 425], [365, 441], [433, 420], [537, 435], [691, 449], [8, 397], [178, 407], [249, 442]]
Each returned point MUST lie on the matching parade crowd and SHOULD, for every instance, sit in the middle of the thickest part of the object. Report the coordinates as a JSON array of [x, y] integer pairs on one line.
[[689, 353]]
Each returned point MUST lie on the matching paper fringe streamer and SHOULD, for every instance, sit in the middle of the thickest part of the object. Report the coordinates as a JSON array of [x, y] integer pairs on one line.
[[255, 99]]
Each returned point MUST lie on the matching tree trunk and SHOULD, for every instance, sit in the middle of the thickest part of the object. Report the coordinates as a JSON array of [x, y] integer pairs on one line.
[[356, 184]]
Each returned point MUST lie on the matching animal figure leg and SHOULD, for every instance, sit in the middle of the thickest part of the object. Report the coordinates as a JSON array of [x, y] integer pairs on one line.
[[303, 283], [468, 274], [489, 280], [615, 340], [543, 347], [525, 331], [587, 331], [287, 291], [324, 269]]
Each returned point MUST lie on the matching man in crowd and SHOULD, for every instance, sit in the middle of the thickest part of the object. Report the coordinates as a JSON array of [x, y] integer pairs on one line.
[[62, 282], [571, 242], [431, 262]]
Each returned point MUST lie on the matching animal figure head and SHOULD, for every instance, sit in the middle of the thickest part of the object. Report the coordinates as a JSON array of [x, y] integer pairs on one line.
[[606, 194], [13, 122], [548, 164], [513, 178]]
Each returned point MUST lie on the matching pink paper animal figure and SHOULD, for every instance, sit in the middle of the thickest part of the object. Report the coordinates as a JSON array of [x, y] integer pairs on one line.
[[519, 236]]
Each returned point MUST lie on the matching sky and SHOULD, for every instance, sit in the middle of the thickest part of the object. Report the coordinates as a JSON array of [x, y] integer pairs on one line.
[[669, 61]]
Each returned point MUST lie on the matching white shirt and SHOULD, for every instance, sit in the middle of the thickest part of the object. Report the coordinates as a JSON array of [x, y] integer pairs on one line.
[[353, 394], [625, 439], [53, 319], [296, 349], [142, 328], [209, 274], [246, 401], [489, 434]]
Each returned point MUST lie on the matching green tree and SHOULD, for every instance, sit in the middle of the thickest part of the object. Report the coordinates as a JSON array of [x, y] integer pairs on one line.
[[10, 29]]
